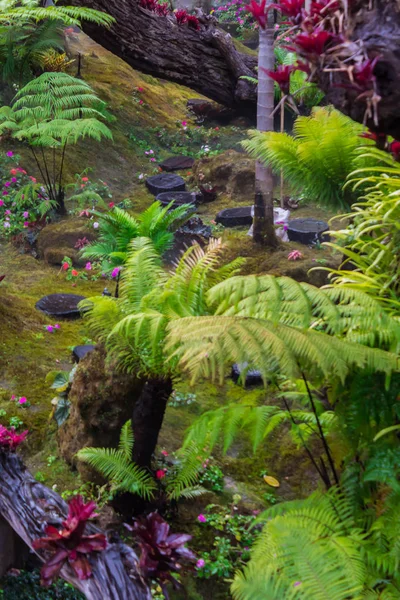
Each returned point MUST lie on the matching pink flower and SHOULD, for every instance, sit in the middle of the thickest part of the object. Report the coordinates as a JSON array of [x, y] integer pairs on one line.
[[6, 224], [5, 193], [95, 225], [184, 123], [115, 272], [7, 212], [65, 266], [111, 204], [140, 90], [140, 101], [88, 266], [161, 473], [14, 179], [33, 179], [152, 160], [85, 179], [25, 214], [22, 400], [201, 518], [57, 326], [26, 224], [50, 328], [10, 153], [1, 202], [295, 255], [13, 398], [164, 452], [200, 563]]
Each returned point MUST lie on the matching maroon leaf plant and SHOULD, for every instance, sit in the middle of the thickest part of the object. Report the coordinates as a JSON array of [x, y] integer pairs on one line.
[[9, 440], [162, 552], [69, 544]]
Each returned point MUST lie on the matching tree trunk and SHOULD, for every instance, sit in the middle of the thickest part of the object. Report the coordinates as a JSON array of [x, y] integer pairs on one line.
[[263, 226], [28, 506], [147, 418], [204, 60]]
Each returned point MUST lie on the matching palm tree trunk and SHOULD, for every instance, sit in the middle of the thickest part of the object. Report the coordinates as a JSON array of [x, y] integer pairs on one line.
[[147, 418], [263, 226]]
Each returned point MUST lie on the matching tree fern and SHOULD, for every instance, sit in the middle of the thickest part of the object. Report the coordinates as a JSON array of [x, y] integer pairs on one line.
[[318, 159], [54, 111]]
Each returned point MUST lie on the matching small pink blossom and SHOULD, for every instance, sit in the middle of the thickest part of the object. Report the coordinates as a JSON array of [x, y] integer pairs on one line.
[[7, 212], [10, 153], [201, 518], [88, 266], [164, 452], [5, 193], [13, 397], [57, 326], [140, 90], [26, 224], [95, 225], [152, 160], [14, 179], [200, 563], [1, 202], [22, 400], [295, 255], [184, 124], [25, 214], [7, 184], [161, 473], [50, 328], [115, 272], [140, 101], [6, 224]]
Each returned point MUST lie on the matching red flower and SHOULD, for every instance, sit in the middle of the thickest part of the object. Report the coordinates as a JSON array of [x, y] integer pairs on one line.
[[364, 74], [181, 17], [281, 76], [394, 148], [65, 266], [323, 7], [162, 9], [69, 544], [313, 43], [111, 204], [85, 179], [74, 273], [302, 66], [291, 8], [9, 440], [193, 22], [259, 12], [161, 473]]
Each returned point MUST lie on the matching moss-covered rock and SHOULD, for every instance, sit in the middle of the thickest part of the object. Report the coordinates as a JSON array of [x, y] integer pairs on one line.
[[231, 172], [101, 402], [59, 239]]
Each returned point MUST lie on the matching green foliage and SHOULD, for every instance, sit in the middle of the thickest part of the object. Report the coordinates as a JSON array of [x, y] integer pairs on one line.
[[51, 112], [317, 159], [118, 228], [213, 478], [319, 548], [61, 382], [117, 466], [371, 240], [32, 11], [26, 586]]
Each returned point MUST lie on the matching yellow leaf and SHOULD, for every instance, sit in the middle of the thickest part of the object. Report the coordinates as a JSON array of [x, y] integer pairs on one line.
[[271, 481]]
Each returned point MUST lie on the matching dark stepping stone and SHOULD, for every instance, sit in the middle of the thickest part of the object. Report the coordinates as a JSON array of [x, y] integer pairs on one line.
[[234, 217], [60, 305], [253, 377], [165, 182], [177, 163], [80, 352], [307, 231], [194, 231], [179, 198]]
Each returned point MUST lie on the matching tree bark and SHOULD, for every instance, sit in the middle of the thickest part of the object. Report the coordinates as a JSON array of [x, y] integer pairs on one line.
[[148, 417], [28, 506], [263, 225], [204, 60]]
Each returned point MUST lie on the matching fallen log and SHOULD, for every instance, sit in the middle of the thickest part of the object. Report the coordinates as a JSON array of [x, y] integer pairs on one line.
[[28, 506]]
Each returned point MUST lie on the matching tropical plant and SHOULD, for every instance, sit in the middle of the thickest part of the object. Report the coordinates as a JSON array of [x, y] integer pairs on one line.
[[51, 113], [323, 547], [117, 466], [133, 326], [370, 242], [162, 553], [61, 382], [29, 33], [124, 476], [118, 228], [305, 94], [317, 160]]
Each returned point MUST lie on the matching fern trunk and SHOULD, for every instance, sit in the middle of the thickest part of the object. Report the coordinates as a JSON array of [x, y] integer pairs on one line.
[[147, 419], [263, 226]]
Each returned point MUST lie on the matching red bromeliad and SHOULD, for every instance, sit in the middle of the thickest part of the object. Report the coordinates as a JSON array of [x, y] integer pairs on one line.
[[394, 148], [363, 74], [313, 43], [9, 440], [193, 22], [259, 12], [181, 17], [293, 9], [69, 545], [282, 76]]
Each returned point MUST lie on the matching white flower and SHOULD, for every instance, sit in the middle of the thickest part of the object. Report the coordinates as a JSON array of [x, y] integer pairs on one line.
[[95, 225]]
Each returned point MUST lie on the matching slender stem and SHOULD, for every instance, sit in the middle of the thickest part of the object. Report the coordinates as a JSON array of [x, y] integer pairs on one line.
[[46, 167], [49, 191], [321, 472], [323, 438], [62, 166], [282, 128]]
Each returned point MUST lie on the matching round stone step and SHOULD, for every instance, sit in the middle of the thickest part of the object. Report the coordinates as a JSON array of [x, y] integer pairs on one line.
[[60, 305], [80, 352], [253, 376], [177, 163], [165, 182], [235, 217], [307, 231], [178, 198]]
